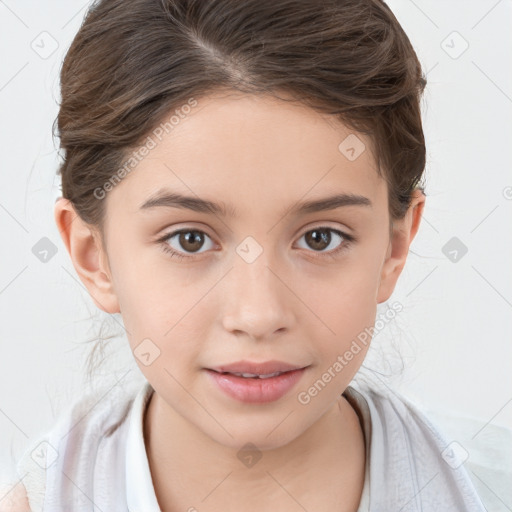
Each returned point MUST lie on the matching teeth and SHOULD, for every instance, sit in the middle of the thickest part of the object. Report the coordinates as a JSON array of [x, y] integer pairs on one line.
[[253, 375], [270, 375]]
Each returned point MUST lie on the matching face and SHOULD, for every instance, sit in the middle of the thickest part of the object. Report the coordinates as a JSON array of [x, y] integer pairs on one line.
[[257, 279]]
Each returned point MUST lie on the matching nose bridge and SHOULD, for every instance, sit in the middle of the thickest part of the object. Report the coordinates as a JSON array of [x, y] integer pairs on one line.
[[258, 302]]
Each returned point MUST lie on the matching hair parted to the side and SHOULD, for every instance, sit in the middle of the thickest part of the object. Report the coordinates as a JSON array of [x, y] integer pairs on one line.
[[133, 62]]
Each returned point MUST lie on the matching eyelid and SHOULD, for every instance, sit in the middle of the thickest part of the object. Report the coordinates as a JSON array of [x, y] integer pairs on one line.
[[326, 224], [167, 232]]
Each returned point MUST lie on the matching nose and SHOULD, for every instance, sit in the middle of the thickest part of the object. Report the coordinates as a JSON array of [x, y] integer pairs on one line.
[[258, 301]]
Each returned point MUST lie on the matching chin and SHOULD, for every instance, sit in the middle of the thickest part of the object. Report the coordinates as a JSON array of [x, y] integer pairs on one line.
[[270, 434]]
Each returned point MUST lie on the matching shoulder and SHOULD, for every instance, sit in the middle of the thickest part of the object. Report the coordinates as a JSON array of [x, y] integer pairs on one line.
[[388, 407], [413, 446], [486, 452], [84, 442], [14, 498], [93, 416]]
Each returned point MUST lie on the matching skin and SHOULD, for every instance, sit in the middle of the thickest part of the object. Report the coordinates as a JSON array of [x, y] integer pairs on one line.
[[261, 156]]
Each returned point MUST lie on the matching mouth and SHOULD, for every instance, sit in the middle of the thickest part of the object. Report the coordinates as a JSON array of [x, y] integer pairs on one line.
[[261, 370], [252, 375], [256, 387]]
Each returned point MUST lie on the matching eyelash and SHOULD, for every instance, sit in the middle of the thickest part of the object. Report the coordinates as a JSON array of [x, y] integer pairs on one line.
[[347, 242]]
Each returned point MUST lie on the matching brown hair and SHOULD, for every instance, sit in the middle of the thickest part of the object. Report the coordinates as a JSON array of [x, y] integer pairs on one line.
[[134, 61]]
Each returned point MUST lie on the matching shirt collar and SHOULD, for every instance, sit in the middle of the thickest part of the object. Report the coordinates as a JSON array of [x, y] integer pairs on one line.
[[140, 493]]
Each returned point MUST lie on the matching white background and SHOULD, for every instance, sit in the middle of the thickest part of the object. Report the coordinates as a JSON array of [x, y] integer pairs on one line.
[[455, 331]]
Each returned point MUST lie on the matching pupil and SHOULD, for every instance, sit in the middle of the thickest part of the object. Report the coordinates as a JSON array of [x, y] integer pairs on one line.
[[319, 238], [195, 240]]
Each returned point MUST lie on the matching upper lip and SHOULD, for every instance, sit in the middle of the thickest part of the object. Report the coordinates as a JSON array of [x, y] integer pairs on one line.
[[263, 368]]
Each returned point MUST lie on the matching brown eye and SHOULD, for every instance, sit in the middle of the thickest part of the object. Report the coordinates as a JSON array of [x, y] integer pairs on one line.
[[187, 241], [322, 238], [191, 240], [318, 239]]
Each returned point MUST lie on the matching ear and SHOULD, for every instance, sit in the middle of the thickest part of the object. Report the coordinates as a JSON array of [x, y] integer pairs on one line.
[[403, 232], [88, 255]]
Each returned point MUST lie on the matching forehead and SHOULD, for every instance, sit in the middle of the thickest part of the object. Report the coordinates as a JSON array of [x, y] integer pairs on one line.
[[246, 150]]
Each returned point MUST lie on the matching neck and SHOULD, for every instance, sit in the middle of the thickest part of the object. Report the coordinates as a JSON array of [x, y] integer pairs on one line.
[[191, 471]]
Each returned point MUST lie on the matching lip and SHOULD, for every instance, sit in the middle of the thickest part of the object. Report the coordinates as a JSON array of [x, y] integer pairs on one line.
[[263, 368], [256, 390]]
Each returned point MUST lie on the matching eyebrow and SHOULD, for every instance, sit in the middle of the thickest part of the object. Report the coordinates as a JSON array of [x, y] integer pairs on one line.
[[169, 199]]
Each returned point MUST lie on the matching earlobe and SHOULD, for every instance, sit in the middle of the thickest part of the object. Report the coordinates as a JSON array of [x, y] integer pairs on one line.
[[403, 233], [84, 246]]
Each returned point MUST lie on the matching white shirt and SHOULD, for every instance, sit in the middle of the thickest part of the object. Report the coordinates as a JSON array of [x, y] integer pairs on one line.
[[140, 494], [94, 459]]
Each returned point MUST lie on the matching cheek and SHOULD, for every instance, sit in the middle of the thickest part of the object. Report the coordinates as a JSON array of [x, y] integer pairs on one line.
[[142, 280], [346, 309], [346, 299], [161, 317], [350, 315]]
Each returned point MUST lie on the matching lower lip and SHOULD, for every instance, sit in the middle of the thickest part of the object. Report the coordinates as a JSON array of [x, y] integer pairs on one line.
[[254, 390]]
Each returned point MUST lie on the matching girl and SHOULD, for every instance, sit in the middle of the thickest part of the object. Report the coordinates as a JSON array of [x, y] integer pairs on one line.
[[241, 182]]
